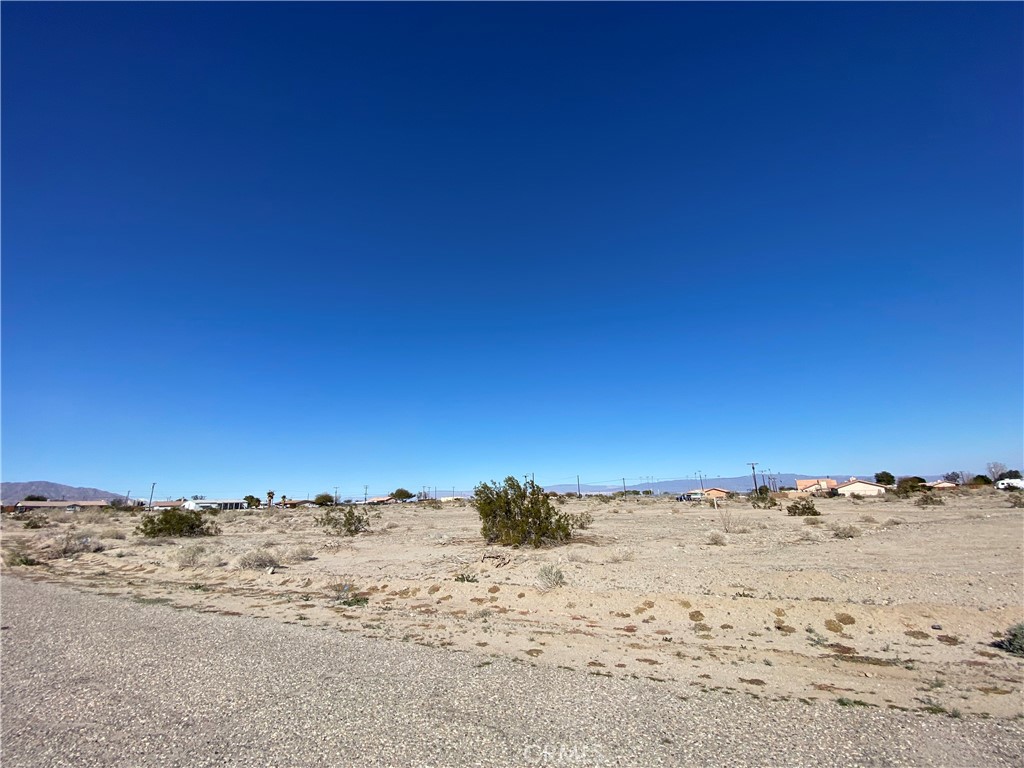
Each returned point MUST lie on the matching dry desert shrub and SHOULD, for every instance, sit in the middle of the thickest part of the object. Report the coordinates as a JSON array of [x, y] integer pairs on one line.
[[72, 543], [18, 554], [112, 533], [230, 515], [35, 521], [257, 560], [866, 519], [727, 520], [549, 577], [929, 500], [892, 522], [1013, 640], [812, 521], [809, 535], [93, 516], [1017, 500], [575, 556], [846, 531], [297, 554], [741, 529], [717, 539], [190, 556], [621, 556]]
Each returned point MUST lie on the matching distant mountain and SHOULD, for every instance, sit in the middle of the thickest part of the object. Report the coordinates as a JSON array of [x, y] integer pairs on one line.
[[11, 493], [741, 484]]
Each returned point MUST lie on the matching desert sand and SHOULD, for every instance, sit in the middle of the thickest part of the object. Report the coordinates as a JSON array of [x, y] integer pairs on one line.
[[903, 614]]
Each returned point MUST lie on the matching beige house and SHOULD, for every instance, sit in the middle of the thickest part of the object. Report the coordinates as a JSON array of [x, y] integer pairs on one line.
[[715, 493], [820, 485], [860, 487]]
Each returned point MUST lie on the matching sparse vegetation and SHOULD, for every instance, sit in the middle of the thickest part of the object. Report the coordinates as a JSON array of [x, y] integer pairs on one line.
[[550, 577], [350, 522], [929, 500], [846, 531], [258, 560], [717, 539], [467, 578], [514, 514], [802, 508], [323, 500], [176, 522], [18, 555], [189, 556], [1017, 500], [72, 543], [1012, 640], [297, 554]]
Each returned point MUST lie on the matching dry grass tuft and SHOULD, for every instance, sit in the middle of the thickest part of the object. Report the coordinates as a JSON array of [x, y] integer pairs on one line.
[[846, 531], [717, 539], [257, 560], [190, 556], [297, 555], [549, 577]]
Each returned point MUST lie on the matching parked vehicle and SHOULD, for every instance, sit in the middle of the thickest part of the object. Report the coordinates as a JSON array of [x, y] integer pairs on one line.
[[1010, 485]]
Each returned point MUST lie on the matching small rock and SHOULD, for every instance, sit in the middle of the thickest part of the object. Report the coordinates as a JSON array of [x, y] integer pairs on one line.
[[936, 626], [270, 570]]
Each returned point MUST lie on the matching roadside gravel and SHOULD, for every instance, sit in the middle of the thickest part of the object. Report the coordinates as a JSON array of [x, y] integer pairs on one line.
[[95, 681]]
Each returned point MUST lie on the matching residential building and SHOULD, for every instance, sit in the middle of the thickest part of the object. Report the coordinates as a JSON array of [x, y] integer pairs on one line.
[[860, 487]]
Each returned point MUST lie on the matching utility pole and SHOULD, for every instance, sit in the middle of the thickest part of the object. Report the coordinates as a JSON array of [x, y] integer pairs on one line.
[[366, 493], [762, 480], [153, 488], [752, 475], [579, 493], [623, 487], [701, 481], [335, 495]]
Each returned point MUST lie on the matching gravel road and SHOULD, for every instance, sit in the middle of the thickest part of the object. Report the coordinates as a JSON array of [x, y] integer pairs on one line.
[[89, 680]]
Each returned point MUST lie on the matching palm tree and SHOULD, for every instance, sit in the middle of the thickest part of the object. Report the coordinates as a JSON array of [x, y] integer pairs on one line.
[[270, 498]]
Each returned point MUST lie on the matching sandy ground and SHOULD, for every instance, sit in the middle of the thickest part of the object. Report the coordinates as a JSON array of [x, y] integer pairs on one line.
[[902, 615]]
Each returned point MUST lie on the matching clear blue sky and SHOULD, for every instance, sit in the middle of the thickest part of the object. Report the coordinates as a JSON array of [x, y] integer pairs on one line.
[[298, 246]]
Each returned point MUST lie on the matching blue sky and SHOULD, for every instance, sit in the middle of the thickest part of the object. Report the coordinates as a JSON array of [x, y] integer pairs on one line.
[[298, 246]]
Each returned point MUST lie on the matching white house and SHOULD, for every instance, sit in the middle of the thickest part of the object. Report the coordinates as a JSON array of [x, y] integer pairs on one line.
[[218, 504], [860, 487]]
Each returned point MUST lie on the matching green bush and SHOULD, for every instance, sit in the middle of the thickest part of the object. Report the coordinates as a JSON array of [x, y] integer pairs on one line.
[[763, 500], [906, 486], [802, 508], [349, 522], [1013, 641], [176, 522], [513, 515]]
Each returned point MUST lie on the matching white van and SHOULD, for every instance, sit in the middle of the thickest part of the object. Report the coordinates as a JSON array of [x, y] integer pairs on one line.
[[1009, 485]]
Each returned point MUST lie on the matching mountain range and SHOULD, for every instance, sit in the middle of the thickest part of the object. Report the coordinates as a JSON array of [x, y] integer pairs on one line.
[[11, 493]]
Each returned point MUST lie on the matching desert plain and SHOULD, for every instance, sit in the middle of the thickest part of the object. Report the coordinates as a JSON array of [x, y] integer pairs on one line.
[[876, 603]]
